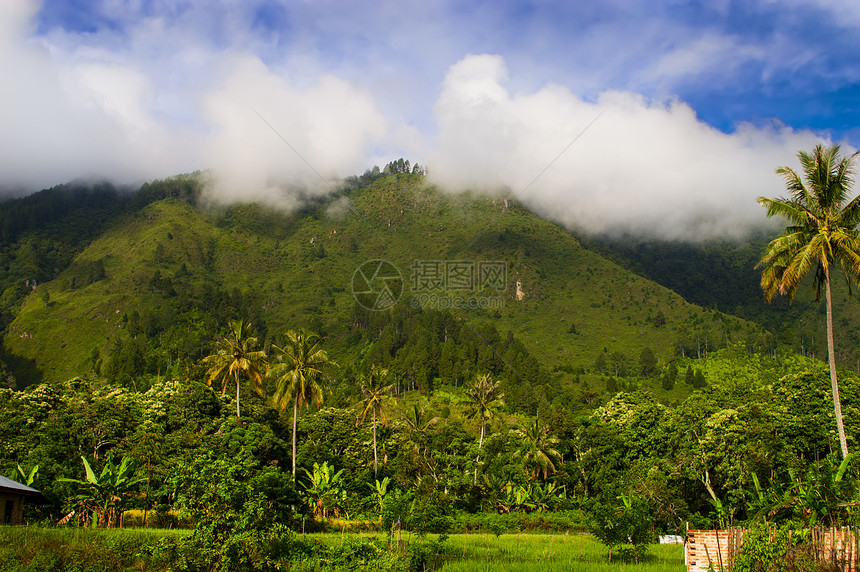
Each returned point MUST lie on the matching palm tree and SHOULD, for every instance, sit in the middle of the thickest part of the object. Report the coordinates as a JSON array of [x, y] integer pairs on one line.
[[374, 388], [417, 423], [537, 448], [237, 354], [300, 374], [416, 426], [821, 233], [484, 399]]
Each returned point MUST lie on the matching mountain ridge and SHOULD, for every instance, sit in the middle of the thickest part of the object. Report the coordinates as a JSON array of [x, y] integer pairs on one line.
[[288, 270]]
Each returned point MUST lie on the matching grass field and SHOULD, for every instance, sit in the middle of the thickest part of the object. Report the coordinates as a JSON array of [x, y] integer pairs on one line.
[[37, 549], [533, 552], [48, 549]]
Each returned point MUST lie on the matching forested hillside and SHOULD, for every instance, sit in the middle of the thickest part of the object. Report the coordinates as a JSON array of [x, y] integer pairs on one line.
[[723, 275], [146, 296]]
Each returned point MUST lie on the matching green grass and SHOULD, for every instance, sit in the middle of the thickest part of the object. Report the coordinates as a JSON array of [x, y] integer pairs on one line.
[[549, 552], [526, 552], [39, 549], [48, 549]]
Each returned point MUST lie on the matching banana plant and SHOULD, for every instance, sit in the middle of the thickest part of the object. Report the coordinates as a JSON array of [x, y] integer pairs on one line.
[[520, 498], [546, 496], [724, 513], [26, 477], [760, 503], [816, 496], [324, 490], [819, 494], [379, 490], [101, 498]]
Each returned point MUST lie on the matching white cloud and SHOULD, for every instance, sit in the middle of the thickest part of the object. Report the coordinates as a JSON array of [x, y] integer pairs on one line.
[[178, 87], [268, 137], [648, 167], [156, 101], [702, 54], [66, 116]]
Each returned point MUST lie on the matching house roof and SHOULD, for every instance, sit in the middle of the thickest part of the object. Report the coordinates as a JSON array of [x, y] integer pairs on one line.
[[10, 486]]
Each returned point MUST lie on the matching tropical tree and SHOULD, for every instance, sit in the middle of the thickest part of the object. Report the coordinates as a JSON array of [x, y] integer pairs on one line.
[[484, 400], [379, 489], [237, 354], [417, 425], [821, 234], [26, 477], [537, 449], [374, 389], [324, 489], [101, 497], [300, 374]]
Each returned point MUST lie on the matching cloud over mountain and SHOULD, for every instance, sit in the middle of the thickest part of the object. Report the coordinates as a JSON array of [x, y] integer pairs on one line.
[[619, 163]]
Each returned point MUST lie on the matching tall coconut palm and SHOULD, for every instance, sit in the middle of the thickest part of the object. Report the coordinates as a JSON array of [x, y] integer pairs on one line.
[[375, 388], [484, 399], [237, 354], [300, 374], [821, 234], [416, 425]]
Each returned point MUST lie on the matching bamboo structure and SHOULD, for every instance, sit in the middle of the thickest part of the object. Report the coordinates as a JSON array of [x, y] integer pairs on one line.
[[838, 548]]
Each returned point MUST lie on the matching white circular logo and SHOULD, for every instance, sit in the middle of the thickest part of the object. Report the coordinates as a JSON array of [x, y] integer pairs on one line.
[[377, 285]]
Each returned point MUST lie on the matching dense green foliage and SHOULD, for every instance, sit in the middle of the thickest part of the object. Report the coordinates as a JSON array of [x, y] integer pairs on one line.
[[759, 420]]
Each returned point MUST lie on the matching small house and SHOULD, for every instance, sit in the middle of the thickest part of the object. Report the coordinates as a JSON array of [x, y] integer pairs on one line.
[[12, 497]]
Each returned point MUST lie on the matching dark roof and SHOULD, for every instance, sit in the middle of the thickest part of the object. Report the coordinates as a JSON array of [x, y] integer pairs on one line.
[[10, 486]]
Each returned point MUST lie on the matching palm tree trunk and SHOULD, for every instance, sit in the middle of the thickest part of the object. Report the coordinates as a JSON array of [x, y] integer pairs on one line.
[[478, 458], [374, 444], [237, 393], [831, 357], [295, 415]]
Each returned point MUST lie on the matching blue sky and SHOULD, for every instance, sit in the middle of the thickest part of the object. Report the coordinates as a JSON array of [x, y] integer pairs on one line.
[[698, 102]]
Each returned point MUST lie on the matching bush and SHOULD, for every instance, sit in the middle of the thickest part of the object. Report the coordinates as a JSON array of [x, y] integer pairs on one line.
[[426, 555], [395, 510], [627, 524], [241, 513], [431, 512], [561, 521]]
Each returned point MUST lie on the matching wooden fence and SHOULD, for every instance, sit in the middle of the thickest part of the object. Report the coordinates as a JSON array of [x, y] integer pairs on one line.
[[718, 549]]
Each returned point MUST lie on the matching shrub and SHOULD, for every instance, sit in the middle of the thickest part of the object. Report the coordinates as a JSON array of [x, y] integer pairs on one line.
[[627, 524], [431, 512]]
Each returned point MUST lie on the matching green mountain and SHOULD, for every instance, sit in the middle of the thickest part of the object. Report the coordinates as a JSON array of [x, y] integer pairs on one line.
[[161, 274]]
